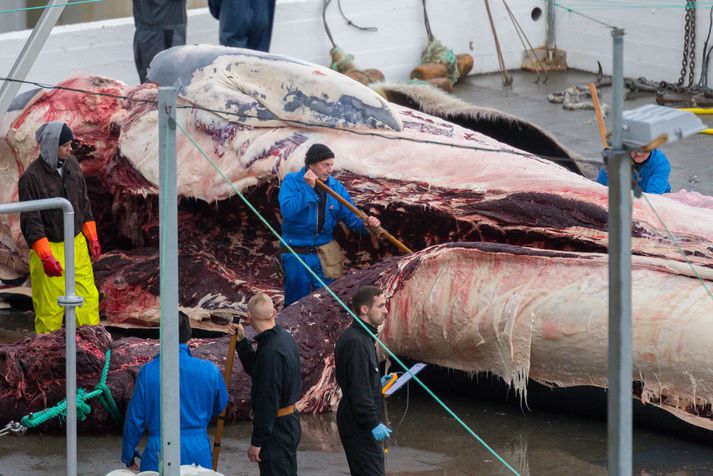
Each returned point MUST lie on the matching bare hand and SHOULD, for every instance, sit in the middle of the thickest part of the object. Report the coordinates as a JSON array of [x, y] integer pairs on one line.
[[238, 330], [254, 454], [134, 467], [373, 222], [310, 178]]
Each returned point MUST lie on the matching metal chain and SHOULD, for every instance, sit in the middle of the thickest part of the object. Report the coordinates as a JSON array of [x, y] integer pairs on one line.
[[692, 46], [689, 45]]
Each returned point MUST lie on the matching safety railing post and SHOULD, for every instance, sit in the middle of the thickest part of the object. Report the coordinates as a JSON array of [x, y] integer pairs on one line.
[[168, 245], [69, 301], [619, 405]]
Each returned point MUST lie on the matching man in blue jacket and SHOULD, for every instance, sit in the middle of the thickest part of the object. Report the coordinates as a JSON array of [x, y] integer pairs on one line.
[[203, 396], [309, 216], [651, 171]]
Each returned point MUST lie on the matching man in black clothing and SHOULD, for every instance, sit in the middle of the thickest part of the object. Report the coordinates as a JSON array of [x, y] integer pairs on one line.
[[276, 387], [359, 416]]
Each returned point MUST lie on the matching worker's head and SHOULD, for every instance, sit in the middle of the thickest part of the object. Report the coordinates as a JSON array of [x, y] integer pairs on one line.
[[369, 304], [639, 156], [65, 142], [260, 309], [320, 160], [55, 140], [184, 328]]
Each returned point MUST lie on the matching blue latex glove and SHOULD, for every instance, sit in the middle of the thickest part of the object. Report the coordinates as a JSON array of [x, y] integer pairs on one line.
[[385, 379], [380, 432]]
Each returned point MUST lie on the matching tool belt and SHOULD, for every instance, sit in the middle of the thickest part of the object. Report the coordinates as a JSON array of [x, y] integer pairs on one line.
[[300, 250], [330, 257], [284, 411], [332, 260]]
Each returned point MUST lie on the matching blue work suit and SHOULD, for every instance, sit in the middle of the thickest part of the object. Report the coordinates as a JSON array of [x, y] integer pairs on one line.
[[244, 23], [203, 396], [653, 174], [299, 207]]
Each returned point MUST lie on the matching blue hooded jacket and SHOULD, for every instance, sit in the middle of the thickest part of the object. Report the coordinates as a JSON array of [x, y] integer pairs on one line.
[[203, 396], [298, 205], [653, 174]]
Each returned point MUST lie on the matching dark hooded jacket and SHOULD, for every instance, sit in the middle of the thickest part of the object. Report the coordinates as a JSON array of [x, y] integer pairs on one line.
[[42, 180]]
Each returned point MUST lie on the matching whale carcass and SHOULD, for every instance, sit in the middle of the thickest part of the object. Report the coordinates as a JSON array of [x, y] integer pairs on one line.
[[430, 180]]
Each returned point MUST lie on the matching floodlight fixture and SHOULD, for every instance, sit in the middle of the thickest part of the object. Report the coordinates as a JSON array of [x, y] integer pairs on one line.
[[651, 123]]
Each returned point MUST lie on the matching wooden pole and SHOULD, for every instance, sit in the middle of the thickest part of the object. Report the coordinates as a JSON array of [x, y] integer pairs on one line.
[[221, 417], [363, 216], [598, 112]]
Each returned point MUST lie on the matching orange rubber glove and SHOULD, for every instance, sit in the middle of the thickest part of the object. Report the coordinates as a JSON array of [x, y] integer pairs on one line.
[[90, 232], [49, 262]]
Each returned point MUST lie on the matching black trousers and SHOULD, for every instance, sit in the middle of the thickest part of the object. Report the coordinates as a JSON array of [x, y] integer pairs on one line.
[[279, 455], [365, 455]]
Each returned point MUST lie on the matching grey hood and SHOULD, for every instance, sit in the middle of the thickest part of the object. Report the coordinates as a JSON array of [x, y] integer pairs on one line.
[[48, 138]]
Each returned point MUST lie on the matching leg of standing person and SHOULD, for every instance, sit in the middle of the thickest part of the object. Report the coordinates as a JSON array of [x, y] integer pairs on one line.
[[279, 457], [365, 455], [261, 27], [148, 41], [88, 312], [234, 23]]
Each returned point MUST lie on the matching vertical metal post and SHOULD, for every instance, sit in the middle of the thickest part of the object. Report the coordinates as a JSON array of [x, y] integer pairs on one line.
[[29, 52], [620, 341], [168, 246], [550, 39], [69, 301], [70, 328]]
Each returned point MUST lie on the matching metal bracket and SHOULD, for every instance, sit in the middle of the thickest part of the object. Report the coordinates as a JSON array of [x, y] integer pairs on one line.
[[16, 428], [70, 301]]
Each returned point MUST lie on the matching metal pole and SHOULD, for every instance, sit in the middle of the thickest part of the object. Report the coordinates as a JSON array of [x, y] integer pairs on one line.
[[69, 301], [168, 246], [620, 359], [550, 40], [29, 52]]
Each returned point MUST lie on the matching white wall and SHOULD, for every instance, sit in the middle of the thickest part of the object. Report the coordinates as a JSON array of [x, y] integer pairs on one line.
[[105, 47], [12, 21], [653, 44]]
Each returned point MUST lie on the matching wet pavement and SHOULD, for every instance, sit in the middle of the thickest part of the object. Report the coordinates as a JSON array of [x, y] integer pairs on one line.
[[427, 443]]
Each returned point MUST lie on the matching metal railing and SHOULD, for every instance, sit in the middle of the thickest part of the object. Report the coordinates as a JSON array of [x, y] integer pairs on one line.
[[69, 301]]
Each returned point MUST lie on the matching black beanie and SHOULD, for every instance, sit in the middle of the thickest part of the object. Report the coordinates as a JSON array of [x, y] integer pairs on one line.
[[66, 135], [318, 153], [184, 328]]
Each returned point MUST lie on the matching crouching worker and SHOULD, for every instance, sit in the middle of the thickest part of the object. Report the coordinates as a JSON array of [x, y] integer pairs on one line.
[[309, 215], [359, 417], [56, 173], [276, 385], [203, 396], [651, 171]]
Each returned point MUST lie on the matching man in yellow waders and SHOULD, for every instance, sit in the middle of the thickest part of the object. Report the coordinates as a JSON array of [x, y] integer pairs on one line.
[[56, 173]]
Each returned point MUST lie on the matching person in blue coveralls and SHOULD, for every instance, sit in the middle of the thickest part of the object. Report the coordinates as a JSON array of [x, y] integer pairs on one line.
[[244, 23], [309, 215], [651, 171], [203, 396]]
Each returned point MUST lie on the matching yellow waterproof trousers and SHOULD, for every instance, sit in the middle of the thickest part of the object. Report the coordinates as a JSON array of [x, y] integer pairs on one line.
[[45, 290]]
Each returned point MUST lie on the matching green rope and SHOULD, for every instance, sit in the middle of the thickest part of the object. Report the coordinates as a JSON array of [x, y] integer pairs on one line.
[[437, 52], [101, 390], [343, 305], [43, 7]]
